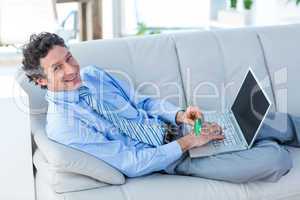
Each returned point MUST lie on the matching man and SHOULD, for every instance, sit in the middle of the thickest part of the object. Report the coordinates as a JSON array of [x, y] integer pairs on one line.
[[94, 112]]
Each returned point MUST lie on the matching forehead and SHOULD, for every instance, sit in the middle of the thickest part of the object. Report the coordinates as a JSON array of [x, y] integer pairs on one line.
[[56, 54]]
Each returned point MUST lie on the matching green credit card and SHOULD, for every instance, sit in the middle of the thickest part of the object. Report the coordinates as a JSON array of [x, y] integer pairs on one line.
[[197, 127]]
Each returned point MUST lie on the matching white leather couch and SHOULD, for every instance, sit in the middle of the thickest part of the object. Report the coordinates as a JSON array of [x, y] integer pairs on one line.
[[210, 64]]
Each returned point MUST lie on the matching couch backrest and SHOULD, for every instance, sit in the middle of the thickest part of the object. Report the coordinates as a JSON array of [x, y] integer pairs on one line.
[[203, 68], [150, 64], [281, 46], [214, 63]]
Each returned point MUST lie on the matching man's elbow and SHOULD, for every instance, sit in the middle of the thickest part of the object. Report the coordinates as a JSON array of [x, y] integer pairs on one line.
[[132, 173], [135, 172]]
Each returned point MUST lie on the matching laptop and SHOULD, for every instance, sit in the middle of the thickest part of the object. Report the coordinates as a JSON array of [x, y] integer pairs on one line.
[[241, 123]]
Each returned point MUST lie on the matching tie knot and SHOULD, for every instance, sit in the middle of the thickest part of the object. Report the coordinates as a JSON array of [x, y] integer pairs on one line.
[[83, 91]]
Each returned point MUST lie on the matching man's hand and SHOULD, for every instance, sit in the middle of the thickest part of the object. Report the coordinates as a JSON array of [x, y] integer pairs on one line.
[[212, 127], [210, 131], [189, 116]]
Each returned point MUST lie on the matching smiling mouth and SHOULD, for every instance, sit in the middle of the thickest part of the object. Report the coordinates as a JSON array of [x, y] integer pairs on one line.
[[74, 78]]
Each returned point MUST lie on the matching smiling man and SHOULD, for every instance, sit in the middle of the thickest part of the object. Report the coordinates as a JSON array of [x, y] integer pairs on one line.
[[94, 112]]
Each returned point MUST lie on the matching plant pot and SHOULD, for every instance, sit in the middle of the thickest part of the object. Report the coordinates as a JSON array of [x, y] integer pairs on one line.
[[231, 17], [248, 17]]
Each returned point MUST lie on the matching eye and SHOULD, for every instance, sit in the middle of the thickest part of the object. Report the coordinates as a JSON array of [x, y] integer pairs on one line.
[[56, 67], [69, 57]]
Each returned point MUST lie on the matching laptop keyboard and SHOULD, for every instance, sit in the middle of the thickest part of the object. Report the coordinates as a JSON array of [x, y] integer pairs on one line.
[[231, 138]]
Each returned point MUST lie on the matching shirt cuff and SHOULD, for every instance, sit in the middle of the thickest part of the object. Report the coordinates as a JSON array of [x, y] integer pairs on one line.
[[173, 150], [170, 114]]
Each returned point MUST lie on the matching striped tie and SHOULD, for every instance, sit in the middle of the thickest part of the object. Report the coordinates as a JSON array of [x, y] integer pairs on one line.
[[152, 134]]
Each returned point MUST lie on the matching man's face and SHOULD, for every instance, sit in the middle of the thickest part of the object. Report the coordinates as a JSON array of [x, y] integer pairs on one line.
[[61, 69]]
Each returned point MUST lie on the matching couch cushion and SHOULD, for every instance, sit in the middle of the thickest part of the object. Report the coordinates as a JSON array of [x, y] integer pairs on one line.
[[62, 182], [111, 55], [213, 65], [240, 50], [66, 159], [281, 45], [163, 187], [149, 64], [158, 186], [156, 70], [201, 69]]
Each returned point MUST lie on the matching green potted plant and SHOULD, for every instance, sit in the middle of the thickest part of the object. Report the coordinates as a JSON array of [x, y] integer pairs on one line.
[[233, 4], [231, 15], [296, 1], [248, 4], [142, 29], [248, 15]]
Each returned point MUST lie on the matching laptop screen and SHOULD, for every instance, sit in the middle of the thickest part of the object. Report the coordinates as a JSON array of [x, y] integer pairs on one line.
[[250, 107]]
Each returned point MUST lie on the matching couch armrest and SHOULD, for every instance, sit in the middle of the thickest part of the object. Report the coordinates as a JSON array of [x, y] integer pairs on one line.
[[67, 159], [62, 182]]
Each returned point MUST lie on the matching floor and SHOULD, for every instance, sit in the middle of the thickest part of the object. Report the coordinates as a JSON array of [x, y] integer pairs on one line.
[[10, 62]]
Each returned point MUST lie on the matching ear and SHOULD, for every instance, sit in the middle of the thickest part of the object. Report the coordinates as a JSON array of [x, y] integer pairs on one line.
[[42, 81]]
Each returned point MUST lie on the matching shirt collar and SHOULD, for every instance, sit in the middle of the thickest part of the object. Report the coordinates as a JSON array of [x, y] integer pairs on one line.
[[70, 96]]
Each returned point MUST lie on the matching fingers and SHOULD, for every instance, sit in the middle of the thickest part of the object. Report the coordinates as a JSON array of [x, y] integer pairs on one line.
[[206, 125], [191, 122], [194, 112], [204, 138], [215, 132], [212, 128], [216, 137], [215, 128]]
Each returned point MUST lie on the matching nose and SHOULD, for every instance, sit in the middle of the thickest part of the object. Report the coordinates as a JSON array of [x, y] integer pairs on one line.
[[69, 69]]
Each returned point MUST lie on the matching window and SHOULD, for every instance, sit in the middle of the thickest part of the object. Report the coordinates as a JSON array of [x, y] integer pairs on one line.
[[166, 14]]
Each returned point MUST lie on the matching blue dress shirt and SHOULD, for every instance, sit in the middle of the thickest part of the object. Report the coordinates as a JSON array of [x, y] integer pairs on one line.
[[73, 123]]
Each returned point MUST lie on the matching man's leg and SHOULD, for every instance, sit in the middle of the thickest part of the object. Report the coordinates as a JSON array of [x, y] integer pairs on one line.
[[266, 161], [277, 126]]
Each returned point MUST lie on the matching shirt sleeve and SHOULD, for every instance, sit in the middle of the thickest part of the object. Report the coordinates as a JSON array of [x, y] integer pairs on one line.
[[161, 108], [164, 109], [128, 156]]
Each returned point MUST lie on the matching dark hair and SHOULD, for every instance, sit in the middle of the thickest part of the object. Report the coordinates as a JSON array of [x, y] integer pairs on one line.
[[38, 47]]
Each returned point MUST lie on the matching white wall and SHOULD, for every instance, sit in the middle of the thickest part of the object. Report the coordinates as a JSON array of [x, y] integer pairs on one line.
[[20, 18], [270, 12], [16, 169], [167, 13]]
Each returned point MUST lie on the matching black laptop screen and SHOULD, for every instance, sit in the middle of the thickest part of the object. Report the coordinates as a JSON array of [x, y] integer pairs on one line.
[[250, 107]]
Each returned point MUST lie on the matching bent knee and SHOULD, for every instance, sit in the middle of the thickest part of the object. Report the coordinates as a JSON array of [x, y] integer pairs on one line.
[[272, 162], [280, 163], [277, 162]]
